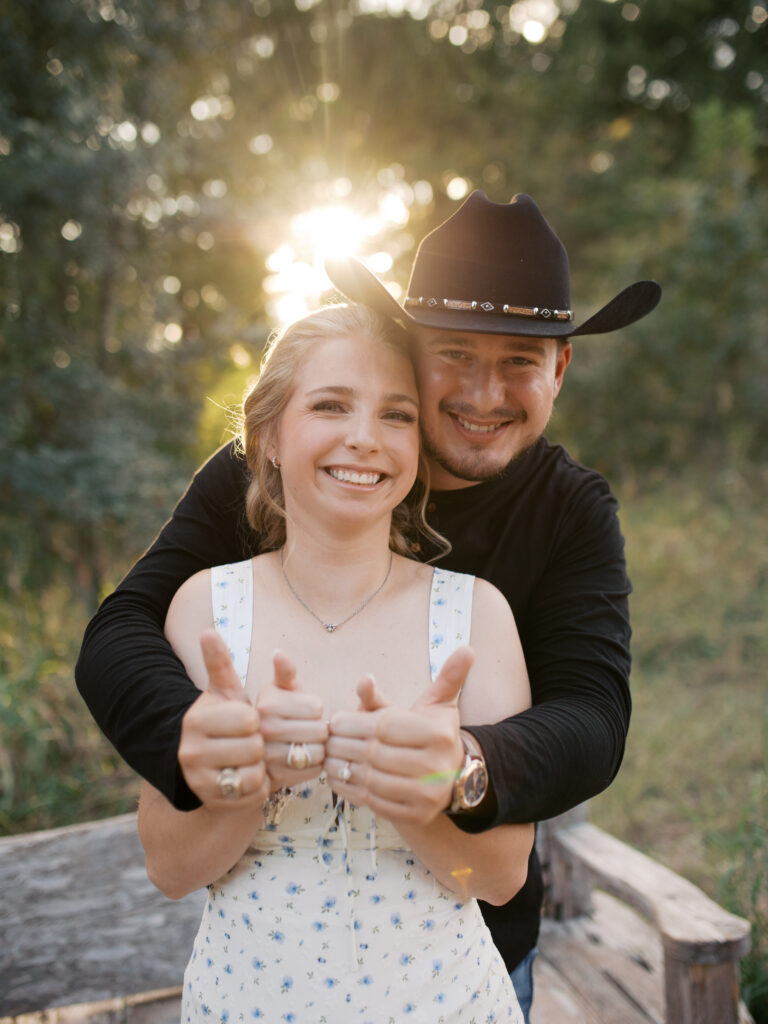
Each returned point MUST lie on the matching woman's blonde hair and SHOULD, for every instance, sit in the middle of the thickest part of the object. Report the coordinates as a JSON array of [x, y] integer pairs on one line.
[[264, 404]]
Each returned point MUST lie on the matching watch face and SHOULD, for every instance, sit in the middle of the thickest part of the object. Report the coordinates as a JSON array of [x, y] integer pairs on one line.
[[474, 784]]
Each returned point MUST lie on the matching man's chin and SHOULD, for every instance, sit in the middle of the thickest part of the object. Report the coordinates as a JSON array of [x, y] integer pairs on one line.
[[474, 469]]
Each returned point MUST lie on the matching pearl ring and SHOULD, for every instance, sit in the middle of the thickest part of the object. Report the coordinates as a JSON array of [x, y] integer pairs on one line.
[[298, 756]]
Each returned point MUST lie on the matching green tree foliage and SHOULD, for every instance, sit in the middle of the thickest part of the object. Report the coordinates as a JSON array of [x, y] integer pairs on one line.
[[689, 386], [152, 156]]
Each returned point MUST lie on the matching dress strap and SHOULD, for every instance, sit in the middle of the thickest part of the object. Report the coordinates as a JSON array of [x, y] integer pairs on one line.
[[450, 615], [232, 598]]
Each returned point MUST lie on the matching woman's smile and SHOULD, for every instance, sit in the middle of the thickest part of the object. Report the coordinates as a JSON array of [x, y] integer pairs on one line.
[[357, 477]]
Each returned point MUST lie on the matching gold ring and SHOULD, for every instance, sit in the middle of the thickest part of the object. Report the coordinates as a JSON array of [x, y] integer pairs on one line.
[[345, 772], [298, 756], [230, 784]]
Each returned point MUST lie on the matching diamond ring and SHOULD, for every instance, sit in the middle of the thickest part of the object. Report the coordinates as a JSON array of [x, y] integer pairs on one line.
[[345, 772]]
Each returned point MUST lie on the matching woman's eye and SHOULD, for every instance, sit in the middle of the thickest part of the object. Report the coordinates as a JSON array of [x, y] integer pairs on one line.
[[328, 406], [400, 416]]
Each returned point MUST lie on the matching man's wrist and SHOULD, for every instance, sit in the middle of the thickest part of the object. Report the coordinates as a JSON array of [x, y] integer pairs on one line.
[[471, 782]]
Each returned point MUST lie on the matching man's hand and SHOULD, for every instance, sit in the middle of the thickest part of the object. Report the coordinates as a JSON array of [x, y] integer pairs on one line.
[[402, 762], [289, 716], [221, 730]]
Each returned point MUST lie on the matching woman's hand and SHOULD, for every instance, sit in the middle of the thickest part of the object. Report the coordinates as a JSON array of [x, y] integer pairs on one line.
[[401, 762], [293, 727], [222, 730]]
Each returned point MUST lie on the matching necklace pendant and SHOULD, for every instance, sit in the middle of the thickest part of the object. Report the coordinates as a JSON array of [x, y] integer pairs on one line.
[[329, 626]]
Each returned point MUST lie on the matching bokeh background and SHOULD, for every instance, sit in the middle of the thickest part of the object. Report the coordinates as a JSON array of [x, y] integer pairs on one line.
[[172, 174]]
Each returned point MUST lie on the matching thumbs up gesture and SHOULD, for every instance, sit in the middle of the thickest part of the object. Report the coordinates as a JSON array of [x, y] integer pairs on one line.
[[401, 762], [221, 730], [293, 727]]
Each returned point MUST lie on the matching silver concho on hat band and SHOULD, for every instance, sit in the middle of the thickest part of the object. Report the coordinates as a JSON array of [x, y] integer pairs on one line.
[[506, 308]]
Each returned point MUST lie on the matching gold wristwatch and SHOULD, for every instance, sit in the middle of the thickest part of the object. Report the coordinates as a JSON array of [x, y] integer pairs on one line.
[[471, 784]]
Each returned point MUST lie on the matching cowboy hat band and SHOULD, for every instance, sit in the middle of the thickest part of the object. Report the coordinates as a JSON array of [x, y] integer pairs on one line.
[[492, 268]]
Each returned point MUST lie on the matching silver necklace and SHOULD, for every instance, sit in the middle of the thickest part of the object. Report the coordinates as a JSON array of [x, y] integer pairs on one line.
[[330, 627]]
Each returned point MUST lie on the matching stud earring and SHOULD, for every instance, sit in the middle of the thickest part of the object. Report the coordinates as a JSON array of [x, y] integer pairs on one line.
[[275, 462]]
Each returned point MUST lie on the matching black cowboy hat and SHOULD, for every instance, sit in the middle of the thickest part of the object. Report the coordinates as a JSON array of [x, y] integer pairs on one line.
[[495, 268]]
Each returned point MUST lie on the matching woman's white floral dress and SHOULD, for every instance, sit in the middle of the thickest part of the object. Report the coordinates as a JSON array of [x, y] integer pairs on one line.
[[327, 917]]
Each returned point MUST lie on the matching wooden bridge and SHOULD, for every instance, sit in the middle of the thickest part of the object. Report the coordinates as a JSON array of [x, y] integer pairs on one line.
[[86, 939]]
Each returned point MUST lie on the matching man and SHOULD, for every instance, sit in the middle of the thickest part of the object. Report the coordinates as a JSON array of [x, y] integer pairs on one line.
[[489, 306]]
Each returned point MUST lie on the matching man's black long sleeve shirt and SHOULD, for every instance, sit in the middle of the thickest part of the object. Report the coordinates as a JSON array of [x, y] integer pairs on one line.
[[546, 534]]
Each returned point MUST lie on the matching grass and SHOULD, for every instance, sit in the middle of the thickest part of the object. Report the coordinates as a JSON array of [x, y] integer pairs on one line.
[[692, 791], [55, 766]]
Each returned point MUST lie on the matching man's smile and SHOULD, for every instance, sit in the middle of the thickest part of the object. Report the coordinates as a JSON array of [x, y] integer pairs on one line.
[[482, 431], [480, 428]]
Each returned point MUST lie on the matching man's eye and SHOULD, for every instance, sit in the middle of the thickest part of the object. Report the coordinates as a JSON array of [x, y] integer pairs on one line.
[[455, 354]]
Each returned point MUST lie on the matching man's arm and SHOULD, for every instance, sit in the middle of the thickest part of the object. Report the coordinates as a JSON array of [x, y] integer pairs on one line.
[[575, 634], [132, 682]]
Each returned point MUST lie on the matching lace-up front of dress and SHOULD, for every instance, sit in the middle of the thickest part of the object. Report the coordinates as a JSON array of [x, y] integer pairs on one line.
[[328, 917]]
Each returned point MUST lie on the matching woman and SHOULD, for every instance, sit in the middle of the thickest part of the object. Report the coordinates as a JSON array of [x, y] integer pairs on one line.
[[320, 911]]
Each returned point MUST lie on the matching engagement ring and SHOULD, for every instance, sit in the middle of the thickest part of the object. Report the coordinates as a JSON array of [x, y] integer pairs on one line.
[[345, 772]]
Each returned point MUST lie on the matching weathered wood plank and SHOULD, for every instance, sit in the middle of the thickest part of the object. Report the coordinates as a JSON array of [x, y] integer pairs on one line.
[[163, 1007], [699, 993], [81, 921], [554, 1000], [611, 961], [693, 927]]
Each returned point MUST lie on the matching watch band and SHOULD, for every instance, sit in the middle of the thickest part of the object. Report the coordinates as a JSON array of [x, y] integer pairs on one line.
[[471, 783], [471, 746]]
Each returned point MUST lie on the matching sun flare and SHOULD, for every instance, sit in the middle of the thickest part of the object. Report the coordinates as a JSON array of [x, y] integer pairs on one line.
[[297, 281], [330, 231]]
